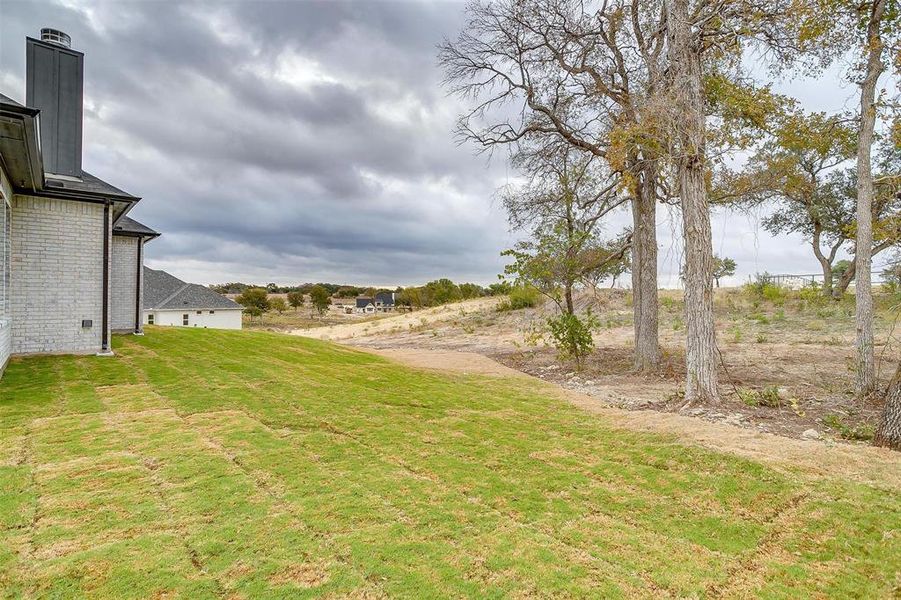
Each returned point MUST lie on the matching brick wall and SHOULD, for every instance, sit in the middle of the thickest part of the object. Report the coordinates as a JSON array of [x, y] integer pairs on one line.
[[6, 196], [57, 265], [124, 269]]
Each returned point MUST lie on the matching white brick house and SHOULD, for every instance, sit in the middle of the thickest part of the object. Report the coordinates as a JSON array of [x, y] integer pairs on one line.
[[71, 260]]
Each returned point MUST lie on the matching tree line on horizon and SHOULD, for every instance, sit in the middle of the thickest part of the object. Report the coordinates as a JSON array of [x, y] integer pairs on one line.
[[463, 291], [258, 300]]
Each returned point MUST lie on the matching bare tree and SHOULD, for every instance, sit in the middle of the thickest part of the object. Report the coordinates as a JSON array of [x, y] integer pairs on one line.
[[583, 74]]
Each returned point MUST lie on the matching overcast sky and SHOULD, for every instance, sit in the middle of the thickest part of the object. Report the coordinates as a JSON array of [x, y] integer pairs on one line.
[[310, 141]]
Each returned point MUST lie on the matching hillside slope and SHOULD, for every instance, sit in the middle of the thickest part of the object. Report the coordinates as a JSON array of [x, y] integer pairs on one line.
[[214, 464]]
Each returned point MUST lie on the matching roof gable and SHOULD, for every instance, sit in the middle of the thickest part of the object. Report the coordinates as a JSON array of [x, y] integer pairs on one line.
[[163, 291], [128, 226]]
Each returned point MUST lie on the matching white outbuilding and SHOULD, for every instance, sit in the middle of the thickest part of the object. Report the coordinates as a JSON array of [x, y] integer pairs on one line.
[[170, 301]]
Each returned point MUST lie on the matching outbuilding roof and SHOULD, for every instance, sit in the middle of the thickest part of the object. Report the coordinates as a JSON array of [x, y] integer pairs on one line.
[[163, 291], [128, 226]]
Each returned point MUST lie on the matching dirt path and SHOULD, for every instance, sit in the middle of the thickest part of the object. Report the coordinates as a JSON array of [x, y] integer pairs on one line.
[[875, 466], [399, 323]]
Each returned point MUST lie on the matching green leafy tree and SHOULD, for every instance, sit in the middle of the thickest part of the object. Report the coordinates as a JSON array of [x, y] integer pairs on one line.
[[442, 291], [255, 301], [722, 267], [278, 304], [295, 299], [319, 299], [869, 32], [841, 267], [799, 168], [471, 290], [501, 288]]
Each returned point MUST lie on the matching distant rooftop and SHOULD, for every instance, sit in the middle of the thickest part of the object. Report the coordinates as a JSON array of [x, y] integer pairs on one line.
[[163, 291]]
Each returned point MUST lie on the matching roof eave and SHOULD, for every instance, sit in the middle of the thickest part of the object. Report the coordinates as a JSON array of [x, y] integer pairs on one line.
[[31, 177]]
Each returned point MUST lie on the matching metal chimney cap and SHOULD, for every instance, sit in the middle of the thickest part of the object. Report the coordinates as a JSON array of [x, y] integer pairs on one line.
[[55, 36]]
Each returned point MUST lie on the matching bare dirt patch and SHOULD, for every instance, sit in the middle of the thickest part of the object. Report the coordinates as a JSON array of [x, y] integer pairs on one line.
[[305, 575], [467, 363], [399, 323]]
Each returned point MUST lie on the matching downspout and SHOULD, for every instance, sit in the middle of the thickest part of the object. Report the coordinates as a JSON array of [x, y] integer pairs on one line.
[[138, 273], [104, 335]]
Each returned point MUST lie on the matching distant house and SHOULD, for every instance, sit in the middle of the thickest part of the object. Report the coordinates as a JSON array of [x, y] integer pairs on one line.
[[381, 302], [365, 305], [384, 301], [170, 301], [70, 258]]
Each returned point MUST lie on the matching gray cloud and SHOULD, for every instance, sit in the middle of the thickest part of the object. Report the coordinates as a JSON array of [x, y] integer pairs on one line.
[[297, 141]]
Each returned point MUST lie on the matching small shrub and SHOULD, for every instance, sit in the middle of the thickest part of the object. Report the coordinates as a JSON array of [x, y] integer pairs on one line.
[[764, 288], [572, 336], [521, 296], [816, 326], [768, 396], [748, 396], [678, 324], [780, 315], [762, 338], [812, 295], [862, 432], [759, 317], [736, 335], [532, 336], [827, 313]]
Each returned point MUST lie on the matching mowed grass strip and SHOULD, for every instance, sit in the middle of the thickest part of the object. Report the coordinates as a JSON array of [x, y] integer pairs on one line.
[[209, 464]]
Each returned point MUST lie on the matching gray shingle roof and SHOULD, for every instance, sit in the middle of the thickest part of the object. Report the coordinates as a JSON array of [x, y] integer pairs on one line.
[[163, 291], [87, 184], [128, 225]]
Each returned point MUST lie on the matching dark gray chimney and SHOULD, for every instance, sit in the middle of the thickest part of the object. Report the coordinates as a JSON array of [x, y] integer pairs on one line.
[[54, 82]]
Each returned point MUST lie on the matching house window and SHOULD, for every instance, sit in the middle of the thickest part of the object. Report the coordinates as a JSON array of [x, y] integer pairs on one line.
[[150, 319], [212, 312], [199, 312], [184, 319]]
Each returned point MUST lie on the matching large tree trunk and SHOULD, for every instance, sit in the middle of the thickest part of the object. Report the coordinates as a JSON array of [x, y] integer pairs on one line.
[[689, 131], [825, 263], [841, 286], [888, 433], [866, 359], [644, 270]]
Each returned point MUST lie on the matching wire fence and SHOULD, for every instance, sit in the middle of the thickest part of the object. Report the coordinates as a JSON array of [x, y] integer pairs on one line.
[[795, 280]]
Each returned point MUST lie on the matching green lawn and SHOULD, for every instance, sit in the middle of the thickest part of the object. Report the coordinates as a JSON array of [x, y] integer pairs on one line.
[[201, 463]]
